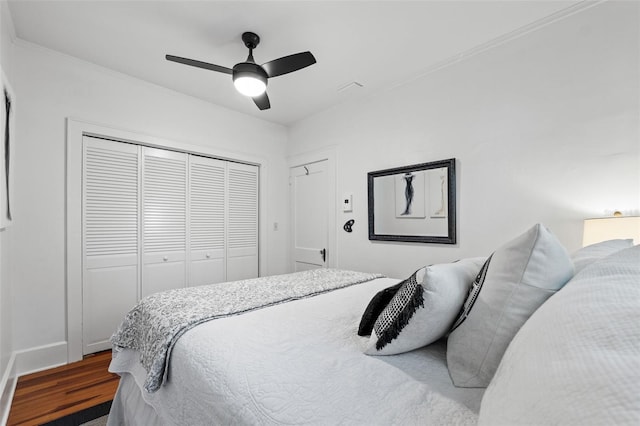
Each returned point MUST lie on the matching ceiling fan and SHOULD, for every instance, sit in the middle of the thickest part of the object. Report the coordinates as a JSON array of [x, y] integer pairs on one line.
[[249, 78]]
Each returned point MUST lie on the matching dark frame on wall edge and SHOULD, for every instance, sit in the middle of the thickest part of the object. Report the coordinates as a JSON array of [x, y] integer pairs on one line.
[[451, 238]]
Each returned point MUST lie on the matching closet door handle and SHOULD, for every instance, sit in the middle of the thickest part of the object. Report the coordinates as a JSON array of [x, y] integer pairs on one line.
[[165, 258], [208, 255], [323, 252]]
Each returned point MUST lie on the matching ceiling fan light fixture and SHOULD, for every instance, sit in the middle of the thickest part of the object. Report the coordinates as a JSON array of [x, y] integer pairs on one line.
[[249, 79], [250, 86]]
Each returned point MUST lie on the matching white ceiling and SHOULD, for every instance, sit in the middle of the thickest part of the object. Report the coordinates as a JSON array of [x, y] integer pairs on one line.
[[379, 44]]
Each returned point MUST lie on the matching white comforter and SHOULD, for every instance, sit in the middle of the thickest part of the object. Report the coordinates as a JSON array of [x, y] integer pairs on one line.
[[301, 363]]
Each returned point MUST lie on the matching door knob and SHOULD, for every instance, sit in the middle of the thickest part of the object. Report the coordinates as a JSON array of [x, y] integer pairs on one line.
[[165, 258], [208, 255]]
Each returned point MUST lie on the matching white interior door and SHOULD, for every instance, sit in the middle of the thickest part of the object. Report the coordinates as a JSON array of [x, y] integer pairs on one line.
[[310, 216], [110, 238]]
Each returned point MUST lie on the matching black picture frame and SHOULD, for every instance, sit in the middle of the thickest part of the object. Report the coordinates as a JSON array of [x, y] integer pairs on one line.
[[7, 130], [451, 237]]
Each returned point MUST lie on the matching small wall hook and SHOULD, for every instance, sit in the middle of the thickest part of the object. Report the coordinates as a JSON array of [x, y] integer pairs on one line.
[[347, 226]]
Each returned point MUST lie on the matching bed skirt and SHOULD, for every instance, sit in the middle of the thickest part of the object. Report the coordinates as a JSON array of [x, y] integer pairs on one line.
[[129, 407]]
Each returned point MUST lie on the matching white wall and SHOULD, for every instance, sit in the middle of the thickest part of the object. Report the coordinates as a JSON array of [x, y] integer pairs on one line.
[[545, 129], [6, 347], [52, 87]]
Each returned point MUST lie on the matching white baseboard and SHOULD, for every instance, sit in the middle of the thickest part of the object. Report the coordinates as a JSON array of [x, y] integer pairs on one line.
[[25, 362], [40, 358], [7, 388]]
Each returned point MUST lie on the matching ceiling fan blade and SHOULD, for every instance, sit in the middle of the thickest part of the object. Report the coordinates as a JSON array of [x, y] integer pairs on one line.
[[199, 64], [288, 64], [262, 101]]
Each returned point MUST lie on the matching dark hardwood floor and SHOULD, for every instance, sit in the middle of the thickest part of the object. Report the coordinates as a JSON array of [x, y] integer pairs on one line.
[[55, 393]]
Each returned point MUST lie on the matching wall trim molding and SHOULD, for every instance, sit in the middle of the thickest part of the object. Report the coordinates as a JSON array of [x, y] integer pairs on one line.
[[502, 39], [11, 27], [7, 389], [40, 358], [25, 362], [76, 130]]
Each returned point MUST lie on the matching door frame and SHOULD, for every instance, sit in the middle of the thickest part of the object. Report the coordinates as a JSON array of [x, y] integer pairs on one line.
[[76, 130], [314, 157]]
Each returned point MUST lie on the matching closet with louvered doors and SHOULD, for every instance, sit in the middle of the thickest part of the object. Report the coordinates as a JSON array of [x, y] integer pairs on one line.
[[154, 220]]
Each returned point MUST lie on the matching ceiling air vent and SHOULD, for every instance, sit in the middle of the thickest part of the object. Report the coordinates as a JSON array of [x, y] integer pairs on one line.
[[350, 86]]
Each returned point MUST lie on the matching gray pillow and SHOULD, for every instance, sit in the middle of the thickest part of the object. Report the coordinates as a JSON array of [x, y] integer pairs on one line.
[[512, 284], [589, 254], [577, 360]]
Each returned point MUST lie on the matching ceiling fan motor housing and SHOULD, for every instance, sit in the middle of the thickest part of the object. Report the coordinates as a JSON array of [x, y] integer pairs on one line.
[[251, 40]]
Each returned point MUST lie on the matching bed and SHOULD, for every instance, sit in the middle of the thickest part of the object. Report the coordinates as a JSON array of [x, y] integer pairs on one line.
[[301, 361]]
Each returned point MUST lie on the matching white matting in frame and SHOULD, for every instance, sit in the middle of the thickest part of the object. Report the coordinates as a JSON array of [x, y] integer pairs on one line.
[[437, 193]]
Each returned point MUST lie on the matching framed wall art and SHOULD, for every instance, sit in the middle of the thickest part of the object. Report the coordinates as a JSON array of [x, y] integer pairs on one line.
[[415, 203], [7, 130]]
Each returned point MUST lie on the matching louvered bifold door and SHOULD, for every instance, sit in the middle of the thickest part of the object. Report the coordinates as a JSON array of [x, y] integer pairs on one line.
[[206, 220], [164, 220], [242, 222], [110, 238]]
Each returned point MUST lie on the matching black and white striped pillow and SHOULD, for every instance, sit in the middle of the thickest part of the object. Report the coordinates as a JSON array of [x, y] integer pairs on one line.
[[398, 312], [472, 296], [375, 308], [424, 307]]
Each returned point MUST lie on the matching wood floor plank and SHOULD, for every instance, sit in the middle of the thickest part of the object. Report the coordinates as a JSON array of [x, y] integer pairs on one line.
[[51, 394]]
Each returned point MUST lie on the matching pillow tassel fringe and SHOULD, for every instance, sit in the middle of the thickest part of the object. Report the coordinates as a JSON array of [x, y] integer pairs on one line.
[[393, 331]]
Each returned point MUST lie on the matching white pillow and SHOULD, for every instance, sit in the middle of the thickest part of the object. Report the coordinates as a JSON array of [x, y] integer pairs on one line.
[[424, 307], [589, 254], [577, 360], [515, 280]]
